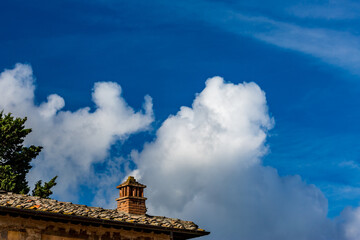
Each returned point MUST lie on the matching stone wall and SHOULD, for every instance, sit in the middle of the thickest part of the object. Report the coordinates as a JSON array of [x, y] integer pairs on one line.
[[18, 228]]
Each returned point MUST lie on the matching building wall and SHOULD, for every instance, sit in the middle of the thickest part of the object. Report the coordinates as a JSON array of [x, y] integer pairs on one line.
[[17, 228]]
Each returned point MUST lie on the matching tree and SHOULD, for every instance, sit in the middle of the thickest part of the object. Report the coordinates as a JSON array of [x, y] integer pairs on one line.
[[44, 191], [7, 178], [15, 158]]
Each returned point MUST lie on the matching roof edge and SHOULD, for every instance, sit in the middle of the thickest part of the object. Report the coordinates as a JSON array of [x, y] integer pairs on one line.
[[98, 221]]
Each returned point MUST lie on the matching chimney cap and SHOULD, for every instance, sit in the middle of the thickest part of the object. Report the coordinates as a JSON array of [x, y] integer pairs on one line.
[[131, 181]]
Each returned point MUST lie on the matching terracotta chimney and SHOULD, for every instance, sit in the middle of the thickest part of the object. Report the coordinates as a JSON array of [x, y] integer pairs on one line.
[[131, 198]]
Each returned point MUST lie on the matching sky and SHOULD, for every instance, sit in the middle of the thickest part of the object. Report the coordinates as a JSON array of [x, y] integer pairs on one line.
[[239, 115]]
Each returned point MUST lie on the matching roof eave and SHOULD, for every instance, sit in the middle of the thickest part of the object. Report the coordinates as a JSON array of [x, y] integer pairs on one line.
[[98, 221]]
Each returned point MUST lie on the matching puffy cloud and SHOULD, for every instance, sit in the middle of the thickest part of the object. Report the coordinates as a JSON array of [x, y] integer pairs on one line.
[[72, 141], [349, 222], [205, 164]]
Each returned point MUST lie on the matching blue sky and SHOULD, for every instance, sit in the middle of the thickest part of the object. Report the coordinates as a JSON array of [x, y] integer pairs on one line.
[[303, 55]]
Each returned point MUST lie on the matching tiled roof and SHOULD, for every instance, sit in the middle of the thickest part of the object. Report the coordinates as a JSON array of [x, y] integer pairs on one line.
[[37, 204]]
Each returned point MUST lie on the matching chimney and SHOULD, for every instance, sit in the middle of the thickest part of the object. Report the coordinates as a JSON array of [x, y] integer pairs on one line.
[[131, 198]]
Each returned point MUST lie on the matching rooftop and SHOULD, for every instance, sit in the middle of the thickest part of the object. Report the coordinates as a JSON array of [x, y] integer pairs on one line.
[[38, 205]]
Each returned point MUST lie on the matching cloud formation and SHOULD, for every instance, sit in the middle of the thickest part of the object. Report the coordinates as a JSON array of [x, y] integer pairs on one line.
[[72, 141], [205, 165], [334, 10], [205, 137], [335, 46], [349, 222]]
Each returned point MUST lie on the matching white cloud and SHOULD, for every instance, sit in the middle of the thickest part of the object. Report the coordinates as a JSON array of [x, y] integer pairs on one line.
[[72, 141], [349, 222], [206, 137], [331, 46], [339, 48], [334, 10], [205, 165]]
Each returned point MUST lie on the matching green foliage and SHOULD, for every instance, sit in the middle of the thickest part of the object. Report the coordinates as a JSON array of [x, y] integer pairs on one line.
[[14, 157], [44, 191], [7, 178]]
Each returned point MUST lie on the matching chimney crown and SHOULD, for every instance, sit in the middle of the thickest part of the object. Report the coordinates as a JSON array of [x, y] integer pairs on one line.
[[131, 181], [131, 198]]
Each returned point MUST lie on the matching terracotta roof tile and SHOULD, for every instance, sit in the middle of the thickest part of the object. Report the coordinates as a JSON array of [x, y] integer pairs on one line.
[[68, 208]]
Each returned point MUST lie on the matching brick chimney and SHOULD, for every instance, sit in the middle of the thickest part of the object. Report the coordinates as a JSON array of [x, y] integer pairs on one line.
[[131, 198]]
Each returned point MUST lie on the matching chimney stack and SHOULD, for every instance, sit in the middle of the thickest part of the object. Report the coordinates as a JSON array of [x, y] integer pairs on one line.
[[131, 198]]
